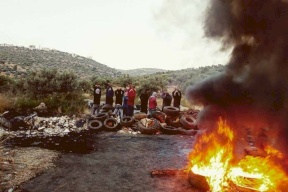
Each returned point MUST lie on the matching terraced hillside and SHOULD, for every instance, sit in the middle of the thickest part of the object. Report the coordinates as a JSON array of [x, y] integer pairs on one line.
[[15, 61]]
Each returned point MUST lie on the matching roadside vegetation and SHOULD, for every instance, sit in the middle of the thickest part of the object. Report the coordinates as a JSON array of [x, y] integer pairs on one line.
[[64, 93]]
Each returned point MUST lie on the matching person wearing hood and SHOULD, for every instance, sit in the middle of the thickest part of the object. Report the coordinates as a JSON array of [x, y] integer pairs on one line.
[[176, 97], [152, 103]]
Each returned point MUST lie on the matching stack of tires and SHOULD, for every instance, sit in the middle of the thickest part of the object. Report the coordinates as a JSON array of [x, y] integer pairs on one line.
[[104, 120], [170, 121], [177, 123]]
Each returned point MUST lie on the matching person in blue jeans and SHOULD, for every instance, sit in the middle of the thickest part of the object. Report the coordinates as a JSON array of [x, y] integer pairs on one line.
[[125, 102]]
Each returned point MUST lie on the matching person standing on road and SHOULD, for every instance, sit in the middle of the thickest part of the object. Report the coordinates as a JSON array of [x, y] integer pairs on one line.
[[119, 93], [144, 101], [152, 103], [97, 97], [109, 94], [131, 99], [167, 99], [176, 97]]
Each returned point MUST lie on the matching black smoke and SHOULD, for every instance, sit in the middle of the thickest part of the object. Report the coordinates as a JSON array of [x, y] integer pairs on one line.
[[253, 90]]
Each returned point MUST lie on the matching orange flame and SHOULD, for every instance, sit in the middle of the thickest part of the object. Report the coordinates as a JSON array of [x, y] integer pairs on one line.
[[212, 158]]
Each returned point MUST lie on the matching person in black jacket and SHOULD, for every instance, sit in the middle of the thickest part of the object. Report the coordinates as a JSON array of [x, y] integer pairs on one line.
[[97, 97], [119, 93], [109, 94], [144, 101], [167, 99], [176, 97]]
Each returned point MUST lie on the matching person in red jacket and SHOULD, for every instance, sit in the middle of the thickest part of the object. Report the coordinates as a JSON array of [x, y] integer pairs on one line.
[[131, 97], [152, 103]]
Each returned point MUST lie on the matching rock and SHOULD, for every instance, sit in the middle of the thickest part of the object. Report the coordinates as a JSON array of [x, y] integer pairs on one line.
[[66, 130], [41, 128], [41, 108]]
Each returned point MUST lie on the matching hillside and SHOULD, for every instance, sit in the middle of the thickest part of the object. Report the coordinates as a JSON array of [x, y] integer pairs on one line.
[[141, 71], [190, 76], [15, 61]]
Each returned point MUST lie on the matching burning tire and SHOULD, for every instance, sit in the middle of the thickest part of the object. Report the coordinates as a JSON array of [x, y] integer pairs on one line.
[[127, 121], [111, 124], [173, 111], [198, 181], [100, 116], [148, 126], [169, 130], [95, 125], [140, 115], [188, 122], [160, 116]]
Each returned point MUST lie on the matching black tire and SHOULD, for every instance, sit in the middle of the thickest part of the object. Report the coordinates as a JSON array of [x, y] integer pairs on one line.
[[127, 121], [5, 123], [160, 116], [95, 125], [188, 122], [18, 123], [111, 124], [100, 116], [169, 130], [173, 121], [191, 132], [150, 129], [140, 115], [169, 110]]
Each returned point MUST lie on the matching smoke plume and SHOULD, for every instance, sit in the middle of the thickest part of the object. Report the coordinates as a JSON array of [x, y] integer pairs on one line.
[[253, 91]]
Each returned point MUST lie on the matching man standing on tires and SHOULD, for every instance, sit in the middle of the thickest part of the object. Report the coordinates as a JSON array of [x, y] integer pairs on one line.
[[167, 99], [125, 100], [152, 103], [109, 94], [119, 96], [97, 96], [131, 98], [144, 101], [176, 98]]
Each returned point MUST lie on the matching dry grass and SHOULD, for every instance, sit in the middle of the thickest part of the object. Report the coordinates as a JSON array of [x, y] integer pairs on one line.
[[21, 164], [4, 103]]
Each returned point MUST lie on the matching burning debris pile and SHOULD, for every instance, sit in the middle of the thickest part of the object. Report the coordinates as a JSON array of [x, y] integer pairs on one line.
[[250, 95]]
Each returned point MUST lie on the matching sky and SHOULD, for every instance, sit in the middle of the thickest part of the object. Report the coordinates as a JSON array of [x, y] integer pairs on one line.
[[122, 34]]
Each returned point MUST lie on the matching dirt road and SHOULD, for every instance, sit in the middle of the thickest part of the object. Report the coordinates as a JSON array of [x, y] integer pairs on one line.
[[118, 162]]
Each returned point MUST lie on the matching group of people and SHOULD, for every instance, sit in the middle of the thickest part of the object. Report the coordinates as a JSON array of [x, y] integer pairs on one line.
[[167, 100], [126, 98]]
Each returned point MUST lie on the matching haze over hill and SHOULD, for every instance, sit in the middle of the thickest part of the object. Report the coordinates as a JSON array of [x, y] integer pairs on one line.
[[142, 71]]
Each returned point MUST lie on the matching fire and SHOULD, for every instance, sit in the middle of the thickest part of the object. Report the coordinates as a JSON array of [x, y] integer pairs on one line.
[[212, 157]]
